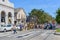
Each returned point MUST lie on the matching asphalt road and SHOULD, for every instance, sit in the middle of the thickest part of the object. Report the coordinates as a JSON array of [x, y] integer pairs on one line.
[[44, 36], [34, 34]]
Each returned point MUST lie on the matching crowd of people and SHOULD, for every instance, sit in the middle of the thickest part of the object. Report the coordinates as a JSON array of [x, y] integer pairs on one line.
[[46, 25]]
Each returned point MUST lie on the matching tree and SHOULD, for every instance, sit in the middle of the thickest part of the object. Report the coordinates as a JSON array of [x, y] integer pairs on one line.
[[40, 15], [58, 16]]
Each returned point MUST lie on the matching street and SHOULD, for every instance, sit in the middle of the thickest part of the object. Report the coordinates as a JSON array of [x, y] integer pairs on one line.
[[33, 34]]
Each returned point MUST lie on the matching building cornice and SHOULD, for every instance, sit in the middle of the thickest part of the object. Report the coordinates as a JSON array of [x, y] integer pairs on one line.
[[7, 6]]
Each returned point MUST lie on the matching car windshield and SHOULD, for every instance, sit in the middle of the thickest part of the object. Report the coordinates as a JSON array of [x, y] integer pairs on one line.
[[3, 25], [9, 25]]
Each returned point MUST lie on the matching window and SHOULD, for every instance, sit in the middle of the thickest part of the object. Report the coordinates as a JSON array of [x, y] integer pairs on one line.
[[2, 19], [9, 25], [3, 25], [9, 14], [3, 0]]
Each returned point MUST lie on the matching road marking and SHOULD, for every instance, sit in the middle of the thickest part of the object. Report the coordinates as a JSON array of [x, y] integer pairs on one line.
[[44, 34], [4, 34], [20, 34], [32, 34], [9, 34]]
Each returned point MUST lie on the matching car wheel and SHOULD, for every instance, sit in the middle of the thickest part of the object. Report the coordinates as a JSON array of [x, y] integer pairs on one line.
[[5, 30]]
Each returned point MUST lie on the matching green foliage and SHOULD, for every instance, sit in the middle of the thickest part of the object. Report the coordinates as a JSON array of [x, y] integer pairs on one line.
[[58, 12], [58, 30], [41, 15], [58, 16]]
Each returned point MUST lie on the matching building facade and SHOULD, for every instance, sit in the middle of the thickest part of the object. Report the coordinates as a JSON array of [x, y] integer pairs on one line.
[[20, 16], [7, 13]]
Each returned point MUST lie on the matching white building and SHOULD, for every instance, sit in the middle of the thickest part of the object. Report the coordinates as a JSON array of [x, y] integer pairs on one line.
[[7, 13], [20, 16]]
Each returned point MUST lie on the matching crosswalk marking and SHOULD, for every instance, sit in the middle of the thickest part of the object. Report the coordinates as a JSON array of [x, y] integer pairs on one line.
[[10, 34], [44, 34], [4, 34]]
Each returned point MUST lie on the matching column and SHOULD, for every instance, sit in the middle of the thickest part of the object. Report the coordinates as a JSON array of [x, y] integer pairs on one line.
[[6, 18], [12, 18]]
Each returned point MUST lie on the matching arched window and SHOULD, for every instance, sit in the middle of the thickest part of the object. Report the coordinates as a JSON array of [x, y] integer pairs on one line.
[[9, 14], [3, 16], [9, 18]]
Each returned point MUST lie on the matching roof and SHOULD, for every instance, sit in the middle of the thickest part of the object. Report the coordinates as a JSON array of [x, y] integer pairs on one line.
[[22, 13], [17, 9]]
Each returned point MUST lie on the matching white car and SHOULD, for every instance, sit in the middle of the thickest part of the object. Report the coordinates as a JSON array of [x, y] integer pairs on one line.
[[5, 27]]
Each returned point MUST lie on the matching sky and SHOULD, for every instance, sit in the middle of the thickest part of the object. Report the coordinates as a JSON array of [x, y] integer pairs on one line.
[[49, 6]]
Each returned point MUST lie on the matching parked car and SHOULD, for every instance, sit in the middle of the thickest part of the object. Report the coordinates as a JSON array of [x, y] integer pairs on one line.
[[5, 27]]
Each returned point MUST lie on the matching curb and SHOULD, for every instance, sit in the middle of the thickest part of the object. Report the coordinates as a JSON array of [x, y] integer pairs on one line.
[[57, 33]]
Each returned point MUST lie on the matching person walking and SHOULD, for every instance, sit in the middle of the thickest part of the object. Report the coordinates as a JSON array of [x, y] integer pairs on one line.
[[25, 26], [20, 27], [53, 26], [14, 29]]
